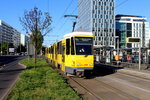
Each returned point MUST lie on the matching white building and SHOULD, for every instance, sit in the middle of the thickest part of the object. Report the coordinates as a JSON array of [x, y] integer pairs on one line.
[[134, 27], [147, 35], [24, 39]]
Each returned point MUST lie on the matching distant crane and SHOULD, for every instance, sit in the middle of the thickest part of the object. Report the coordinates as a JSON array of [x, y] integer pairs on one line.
[[74, 23]]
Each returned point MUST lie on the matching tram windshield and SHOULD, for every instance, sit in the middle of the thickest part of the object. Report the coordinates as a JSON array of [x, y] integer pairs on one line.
[[84, 45]]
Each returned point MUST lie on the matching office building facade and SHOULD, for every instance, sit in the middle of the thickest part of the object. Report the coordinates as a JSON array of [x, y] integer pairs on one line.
[[97, 16], [6, 32], [128, 26], [16, 38], [9, 34]]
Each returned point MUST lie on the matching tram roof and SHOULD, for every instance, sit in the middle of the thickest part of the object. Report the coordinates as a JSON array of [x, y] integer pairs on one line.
[[69, 35]]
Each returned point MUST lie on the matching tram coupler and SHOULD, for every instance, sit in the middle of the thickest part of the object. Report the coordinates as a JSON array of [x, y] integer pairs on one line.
[[80, 73]]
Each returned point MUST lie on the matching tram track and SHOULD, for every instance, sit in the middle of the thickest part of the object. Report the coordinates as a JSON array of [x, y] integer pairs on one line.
[[78, 87], [111, 92], [97, 96], [120, 92], [100, 87], [104, 91], [86, 89]]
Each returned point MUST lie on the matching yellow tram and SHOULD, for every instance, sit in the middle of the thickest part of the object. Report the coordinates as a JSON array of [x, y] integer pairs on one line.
[[73, 54]]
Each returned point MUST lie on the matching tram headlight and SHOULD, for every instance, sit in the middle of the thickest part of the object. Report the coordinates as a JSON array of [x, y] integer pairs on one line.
[[78, 64], [91, 64]]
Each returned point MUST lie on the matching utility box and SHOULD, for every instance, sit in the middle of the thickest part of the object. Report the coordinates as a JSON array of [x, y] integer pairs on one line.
[[30, 49]]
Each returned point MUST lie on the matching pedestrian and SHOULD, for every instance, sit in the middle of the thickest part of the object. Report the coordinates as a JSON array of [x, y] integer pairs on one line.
[[117, 57], [129, 58]]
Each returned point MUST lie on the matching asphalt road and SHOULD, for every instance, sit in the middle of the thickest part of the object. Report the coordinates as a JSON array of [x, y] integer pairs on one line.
[[9, 72]]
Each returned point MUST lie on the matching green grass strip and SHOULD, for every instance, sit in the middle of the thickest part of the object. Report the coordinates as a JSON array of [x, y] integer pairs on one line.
[[41, 82]]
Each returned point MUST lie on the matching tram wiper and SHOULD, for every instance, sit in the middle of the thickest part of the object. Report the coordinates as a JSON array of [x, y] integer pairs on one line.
[[86, 55]]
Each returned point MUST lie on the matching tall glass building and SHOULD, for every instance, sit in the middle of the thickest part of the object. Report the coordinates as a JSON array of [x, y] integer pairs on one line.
[[97, 16]]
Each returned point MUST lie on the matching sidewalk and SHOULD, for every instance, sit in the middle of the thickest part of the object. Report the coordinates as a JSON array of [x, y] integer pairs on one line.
[[135, 72]]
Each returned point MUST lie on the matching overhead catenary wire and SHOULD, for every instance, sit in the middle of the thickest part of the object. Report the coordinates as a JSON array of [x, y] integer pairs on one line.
[[66, 9], [61, 17], [69, 5], [123, 2], [76, 9], [71, 14], [120, 4]]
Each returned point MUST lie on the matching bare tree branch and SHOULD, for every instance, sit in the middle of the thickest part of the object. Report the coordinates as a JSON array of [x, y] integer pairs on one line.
[[38, 24]]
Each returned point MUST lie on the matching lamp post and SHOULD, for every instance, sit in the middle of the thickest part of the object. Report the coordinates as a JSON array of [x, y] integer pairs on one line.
[[140, 55], [117, 37]]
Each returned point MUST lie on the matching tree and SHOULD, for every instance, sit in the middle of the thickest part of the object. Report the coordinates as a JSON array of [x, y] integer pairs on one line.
[[21, 48], [38, 24], [39, 37], [10, 45], [4, 47]]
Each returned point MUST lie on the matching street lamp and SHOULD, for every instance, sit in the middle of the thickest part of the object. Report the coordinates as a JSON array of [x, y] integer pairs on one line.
[[117, 37]]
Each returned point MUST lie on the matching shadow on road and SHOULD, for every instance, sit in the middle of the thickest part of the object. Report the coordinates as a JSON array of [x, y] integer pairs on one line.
[[7, 59], [101, 70], [13, 70]]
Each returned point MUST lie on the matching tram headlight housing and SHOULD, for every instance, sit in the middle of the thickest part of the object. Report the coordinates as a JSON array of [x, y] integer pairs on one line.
[[78, 64], [91, 64]]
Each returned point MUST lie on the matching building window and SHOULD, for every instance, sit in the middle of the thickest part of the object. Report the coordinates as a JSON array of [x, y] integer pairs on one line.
[[129, 26], [129, 34]]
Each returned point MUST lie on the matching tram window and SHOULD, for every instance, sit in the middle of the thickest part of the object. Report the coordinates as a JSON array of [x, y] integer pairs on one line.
[[67, 46], [52, 50], [61, 48], [84, 49], [49, 50], [83, 40], [58, 48], [72, 46], [83, 45]]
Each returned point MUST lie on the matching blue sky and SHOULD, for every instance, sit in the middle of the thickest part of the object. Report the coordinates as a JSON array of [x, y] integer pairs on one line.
[[11, 10]]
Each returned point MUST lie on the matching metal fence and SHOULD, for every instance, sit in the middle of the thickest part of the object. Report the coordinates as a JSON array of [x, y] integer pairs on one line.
[[123, 57]]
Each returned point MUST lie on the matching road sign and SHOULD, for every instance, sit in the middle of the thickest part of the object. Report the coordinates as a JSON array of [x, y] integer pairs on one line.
[[132, 40], [11, 49]]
